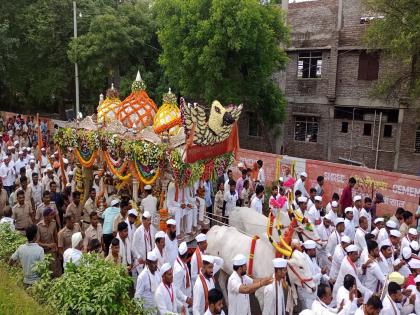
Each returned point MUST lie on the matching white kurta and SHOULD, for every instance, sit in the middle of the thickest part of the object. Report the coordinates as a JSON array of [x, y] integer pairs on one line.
[[147, 284], [162, 257], [375, 278], [333, 240], [389, 307], [350, 230], [270, 299], [256, 204], [238, 302], [356, 216], [231, 200], [339, 255], [405, 242], [143, 242], [125, 250], [149, 203], [174, 205], [165, 298], [182, 281], [171, 247], [199, 300], [313, 215], [320, 308], [299, 185], [382, 235], [322, 252], [365, 213], [194, 265], [359, 239]]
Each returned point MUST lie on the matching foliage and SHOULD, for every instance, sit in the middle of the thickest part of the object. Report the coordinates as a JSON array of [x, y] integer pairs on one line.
[[95, 286], [9, 241], [226, 50], [397, 35]]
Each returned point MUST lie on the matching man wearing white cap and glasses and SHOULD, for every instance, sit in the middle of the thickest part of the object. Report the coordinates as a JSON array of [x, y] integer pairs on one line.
[[348, 266], [205, 282], [314, 213], [300, 185], [143, 240], [182, 278], [412, 235], [357, 202], [240, 286], [159, 248], [196, 259], [335, 237], [166, 295], [317, 273], [350, 229], [148, 281], [274, 296], [149, 203], [339, 255], [171, 242]]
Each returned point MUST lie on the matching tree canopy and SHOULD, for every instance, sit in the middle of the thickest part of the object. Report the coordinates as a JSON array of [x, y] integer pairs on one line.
[[226, 50], [397, 35]]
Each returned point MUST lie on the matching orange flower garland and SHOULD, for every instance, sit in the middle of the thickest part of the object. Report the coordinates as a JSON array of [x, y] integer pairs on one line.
[[88, 163], [118, 173], [137, 174]]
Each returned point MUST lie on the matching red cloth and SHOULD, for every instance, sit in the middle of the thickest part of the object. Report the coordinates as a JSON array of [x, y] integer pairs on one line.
[[410, 281], [346, 198]]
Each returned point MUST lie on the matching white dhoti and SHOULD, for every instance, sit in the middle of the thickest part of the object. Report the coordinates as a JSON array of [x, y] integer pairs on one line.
[[201, 205]]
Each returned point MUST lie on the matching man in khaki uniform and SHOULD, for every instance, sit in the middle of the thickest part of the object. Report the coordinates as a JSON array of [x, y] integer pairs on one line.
[[89, 207], [3, 198], [47, 238], [46, 203], [22, 213], [64, 236], [121, 217], [75, 207], [94, 231]]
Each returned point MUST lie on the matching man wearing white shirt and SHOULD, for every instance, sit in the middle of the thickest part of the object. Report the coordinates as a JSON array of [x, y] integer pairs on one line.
[[318, 275], [215, 303], [415, 290], [261, 175], [314, 214], [143, 240], [361, 231], [385, 260], [321, 306], [182, 277], [205, 283], [372, 307], [171, 242], [31, 169], [393, 300], [149, 203], [36, 190], [324, 232], [148, 281], [379, 224], [240, 286], [357, 201], [256, 202], [166, 295], [197, 257], [229, 178], [375, 278], [125, 245], [338, 256], [335, 237], [230, 198], [21, 162], [300, 185], [350, 230], [8, 174], [274, 297], [176, 201], [412, 235], [159, 249], [366, 212]]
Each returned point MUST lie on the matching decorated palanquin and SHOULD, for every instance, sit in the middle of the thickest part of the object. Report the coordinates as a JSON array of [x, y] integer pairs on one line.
[[134, 140]]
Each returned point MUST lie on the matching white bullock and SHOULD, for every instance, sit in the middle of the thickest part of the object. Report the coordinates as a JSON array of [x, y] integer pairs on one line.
[[227, 242], [251, 222]]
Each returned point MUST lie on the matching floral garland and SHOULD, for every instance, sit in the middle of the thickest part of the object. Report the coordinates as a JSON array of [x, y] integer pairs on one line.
[[86, 158], [119, 172], [138, 174], [145, 152]]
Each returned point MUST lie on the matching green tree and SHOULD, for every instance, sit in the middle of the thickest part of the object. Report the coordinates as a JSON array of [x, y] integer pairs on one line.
[[397, 35], [226, 50]]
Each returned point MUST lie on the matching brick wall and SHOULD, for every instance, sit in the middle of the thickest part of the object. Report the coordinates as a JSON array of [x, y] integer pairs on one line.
[[409, 161]]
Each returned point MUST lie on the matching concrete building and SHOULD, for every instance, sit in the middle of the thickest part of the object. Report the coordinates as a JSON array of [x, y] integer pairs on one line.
[[328, 82]]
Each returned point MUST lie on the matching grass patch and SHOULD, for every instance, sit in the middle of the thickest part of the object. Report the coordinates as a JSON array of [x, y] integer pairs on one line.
[[13, 297]]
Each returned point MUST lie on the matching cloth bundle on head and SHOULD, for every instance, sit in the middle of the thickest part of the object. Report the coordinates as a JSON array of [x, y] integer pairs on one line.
[[201, 238], [279, 263], [76, 238], [170, 222], [183, 248], [396, 277], [239, 260], [165, 268]]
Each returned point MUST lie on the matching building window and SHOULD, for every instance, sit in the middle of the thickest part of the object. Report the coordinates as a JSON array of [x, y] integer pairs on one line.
[[367, 129], [417, 144], [309, 64], [254, 128], [306, 128], [368, 66], [387, 131], [344, 127]]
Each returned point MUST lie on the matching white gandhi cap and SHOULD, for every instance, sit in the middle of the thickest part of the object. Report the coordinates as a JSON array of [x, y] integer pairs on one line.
[[170, 222], [357, 198], [304, 174], [159, 234], [239, 260], [395, 233], [309, 244], [152, 256], [146, 214], [334, 204], [147, 187], [377, 220], [391, 224], [201, 237], [279, 263], [345, 239], [208, 258], [302, 199], [352, 248], [412, 231], [318, 198], [182, 249], [166, 267]]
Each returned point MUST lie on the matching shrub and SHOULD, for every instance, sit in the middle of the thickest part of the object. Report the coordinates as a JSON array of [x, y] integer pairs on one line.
[[95, 286], [9, 241]]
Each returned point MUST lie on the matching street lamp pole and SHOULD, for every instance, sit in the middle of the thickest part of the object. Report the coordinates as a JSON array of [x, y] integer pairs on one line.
[[76, 68]]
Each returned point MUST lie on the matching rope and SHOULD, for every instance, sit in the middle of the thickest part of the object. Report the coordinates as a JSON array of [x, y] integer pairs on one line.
[[225, 224]]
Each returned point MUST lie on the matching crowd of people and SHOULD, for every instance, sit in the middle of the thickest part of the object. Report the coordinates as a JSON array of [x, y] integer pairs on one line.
[[361, 264]]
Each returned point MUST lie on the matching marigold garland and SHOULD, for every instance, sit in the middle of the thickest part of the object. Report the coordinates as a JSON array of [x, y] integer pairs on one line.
[[115, 171], [137, 174], [85, 163]]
